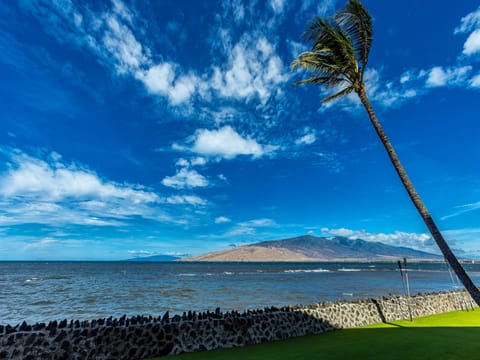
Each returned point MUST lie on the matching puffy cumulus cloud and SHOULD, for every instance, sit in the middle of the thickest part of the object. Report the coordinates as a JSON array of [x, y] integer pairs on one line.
[[53, 180], [249, 69], [222, 220], [470, 24], [306, 139], [47, 190], [253, 70], [416, 241], [185, 179], [451, 76], [472, 45], [475, 81], [227, 143], [162, 80]]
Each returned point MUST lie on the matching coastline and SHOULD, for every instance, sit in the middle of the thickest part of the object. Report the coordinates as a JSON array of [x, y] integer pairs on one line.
[[144, 337]]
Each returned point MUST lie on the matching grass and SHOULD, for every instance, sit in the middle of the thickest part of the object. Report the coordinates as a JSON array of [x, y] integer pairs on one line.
[[453, 335]]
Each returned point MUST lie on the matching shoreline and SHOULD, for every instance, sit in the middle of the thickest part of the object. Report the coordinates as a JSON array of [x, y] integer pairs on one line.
[[144, 337]]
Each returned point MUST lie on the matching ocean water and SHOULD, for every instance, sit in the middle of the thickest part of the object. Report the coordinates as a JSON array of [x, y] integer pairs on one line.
[[45, 291]]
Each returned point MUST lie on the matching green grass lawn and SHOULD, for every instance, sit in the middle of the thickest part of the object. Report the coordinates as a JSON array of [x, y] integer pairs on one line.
[[453, 335]]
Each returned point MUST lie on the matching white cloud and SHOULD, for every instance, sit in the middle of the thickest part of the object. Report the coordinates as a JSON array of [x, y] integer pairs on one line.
[[122, 45], [472, 45], [416, 241], [122, 11], [470, 24], [306, 139], [253, 70], [238, 10], [40, 245], [326, 7], [330, 161], [185, 178], [249, 228], [222, 220], [277, 6], [142, 252], [186, 200], [227, 143], [29, 177], [462, 209], [475, 81], [52, 192], [451, 76], [198, 161], [387, 94], [296, 48], [247, 70], [162, 80], [265, 222]]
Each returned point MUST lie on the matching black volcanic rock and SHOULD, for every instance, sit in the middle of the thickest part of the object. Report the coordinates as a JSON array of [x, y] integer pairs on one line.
[[337, 247]]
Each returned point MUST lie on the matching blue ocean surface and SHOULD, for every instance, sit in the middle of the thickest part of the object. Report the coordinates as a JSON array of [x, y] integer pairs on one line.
[[45, 291]]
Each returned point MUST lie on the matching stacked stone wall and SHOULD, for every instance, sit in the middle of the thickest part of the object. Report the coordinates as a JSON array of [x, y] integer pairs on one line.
[[143, 337]]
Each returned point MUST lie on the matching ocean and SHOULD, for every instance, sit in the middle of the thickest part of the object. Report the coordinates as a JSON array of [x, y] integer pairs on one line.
[[45, 291]]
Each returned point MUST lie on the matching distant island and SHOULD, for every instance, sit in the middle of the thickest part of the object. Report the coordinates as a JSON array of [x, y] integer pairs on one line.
[[312, 248], [154, 258]]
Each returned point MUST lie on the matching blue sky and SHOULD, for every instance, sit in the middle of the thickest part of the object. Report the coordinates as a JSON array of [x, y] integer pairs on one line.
[[133, 128]]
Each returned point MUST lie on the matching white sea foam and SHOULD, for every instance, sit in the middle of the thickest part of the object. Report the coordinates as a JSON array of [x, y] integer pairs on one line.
[[349, 270], [307, 271]]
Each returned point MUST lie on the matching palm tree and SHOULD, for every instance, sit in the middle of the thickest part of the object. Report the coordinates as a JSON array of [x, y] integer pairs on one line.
[[337, 60]]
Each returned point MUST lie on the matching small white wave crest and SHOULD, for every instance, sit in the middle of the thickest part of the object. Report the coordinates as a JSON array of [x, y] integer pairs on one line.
[[295, 271], [349, 269]]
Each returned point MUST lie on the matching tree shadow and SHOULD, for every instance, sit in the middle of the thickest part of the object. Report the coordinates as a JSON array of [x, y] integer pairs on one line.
[[382, 315], [392, 343]]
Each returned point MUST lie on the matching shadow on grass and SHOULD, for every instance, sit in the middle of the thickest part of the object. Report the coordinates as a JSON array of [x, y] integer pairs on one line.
[[389, 343]]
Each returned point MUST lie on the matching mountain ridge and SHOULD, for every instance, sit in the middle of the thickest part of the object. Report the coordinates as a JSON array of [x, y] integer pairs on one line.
[[312, 248]]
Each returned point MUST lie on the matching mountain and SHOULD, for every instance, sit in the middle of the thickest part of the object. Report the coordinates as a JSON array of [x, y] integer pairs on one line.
[[312, 248], [155, 258]]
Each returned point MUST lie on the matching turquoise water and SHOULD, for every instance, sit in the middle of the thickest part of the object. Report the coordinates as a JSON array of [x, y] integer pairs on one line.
[[44, 291]]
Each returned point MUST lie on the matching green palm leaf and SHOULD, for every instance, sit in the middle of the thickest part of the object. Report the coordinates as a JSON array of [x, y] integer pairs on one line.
[[357, 23]]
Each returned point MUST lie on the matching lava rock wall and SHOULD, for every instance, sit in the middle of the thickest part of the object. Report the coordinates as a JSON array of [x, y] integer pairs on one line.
[[144, 337]]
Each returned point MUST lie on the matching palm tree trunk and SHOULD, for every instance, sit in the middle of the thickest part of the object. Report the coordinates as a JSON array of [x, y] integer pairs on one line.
[[417, 201]]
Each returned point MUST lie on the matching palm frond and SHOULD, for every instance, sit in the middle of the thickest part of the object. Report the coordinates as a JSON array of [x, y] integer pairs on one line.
[[330, 81], [334, 55], [339, 94], [340, 49], [320, 64], [327, 36], [357, 23]]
